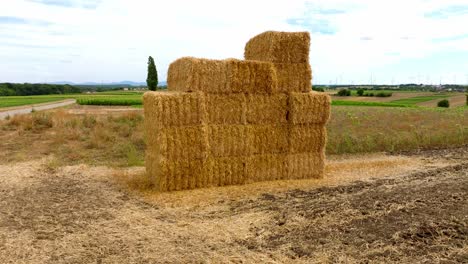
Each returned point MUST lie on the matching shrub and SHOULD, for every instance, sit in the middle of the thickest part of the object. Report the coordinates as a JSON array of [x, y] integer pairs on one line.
[[383, 94], [344, 92], [443, 103], [318, 89], [360, 92]]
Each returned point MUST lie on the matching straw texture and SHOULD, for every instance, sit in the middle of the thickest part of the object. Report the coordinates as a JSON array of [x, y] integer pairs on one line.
[[267, 109], [190, 74], [309, 108], [226, 108], [279, 47]]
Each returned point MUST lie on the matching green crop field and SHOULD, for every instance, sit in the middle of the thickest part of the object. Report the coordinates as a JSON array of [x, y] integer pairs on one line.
[[10, 101], [102, 98], [419, 99]]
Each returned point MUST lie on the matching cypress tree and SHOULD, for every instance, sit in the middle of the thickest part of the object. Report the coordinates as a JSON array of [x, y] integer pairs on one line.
[[152, 79]]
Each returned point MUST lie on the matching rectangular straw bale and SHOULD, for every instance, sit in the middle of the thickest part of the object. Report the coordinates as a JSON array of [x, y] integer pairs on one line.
[[225, 171], [221, 76], [226, 108], [307, 138], [190, 74], [279, 47], [309, 108], [163, 109], [294, 77], [229, 140], [188, 142], [267, 109], [174, 175], [269, 139], [306, 165], [267, 167]]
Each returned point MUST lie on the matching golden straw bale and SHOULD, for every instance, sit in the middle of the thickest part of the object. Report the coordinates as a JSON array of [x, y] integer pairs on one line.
[[279, 47], [225, 171], [269, 139], [267, 167], [187, 142], [226, 108], [164, 109], [307, 138], [267, 109], [294, 77], [176, 174], [221, 76], [306, 165], [229, 140], [309, 108]]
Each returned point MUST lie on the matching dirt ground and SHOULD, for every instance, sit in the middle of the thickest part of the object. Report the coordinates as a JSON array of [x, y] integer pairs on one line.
[[401, 208]]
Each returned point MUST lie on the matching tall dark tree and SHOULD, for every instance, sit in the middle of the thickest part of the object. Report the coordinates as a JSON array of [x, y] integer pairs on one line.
[[152, 79]]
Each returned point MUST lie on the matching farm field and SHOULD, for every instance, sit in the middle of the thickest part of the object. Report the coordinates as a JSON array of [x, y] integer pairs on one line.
[[73, 191], [11, 101], [115, 98], [426, 99], [373, 208], [106, 98]]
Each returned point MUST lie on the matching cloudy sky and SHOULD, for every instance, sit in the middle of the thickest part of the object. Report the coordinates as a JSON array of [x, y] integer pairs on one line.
[[352, 41]]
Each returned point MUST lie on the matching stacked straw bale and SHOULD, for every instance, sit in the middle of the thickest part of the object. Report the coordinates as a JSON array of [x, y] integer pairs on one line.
[[226, 122]]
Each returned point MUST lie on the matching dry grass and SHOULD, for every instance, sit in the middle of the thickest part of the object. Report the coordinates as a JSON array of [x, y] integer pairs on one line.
[[360, 129], [115, 140]]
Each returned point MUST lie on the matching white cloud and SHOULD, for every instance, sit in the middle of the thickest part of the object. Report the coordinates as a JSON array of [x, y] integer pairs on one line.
[[113, 40]]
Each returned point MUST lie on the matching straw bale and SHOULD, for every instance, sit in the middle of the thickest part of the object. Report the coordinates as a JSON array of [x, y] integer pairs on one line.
[[294, 77], [309, 108], [279, 47], [221, 76], [229, 140], [306, 165], [267, 167], [307, 138], [225, 171], [172, 175], [163, 109], [267, 109], [188, 142], [269, 139], [226, 108]]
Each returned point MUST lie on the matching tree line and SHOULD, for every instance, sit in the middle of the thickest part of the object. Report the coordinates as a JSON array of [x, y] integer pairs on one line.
[[11, 89]]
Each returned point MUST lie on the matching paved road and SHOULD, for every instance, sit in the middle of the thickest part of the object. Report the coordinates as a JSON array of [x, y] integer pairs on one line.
[[37, 107]]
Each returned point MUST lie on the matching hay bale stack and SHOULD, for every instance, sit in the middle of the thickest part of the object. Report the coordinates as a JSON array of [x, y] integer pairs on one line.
[[234, 121]]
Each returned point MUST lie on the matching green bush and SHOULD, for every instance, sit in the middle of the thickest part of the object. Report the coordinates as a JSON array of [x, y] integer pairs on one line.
[[318, 89], [344, 92], [443, 103], [360, 92], [383, 94]]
